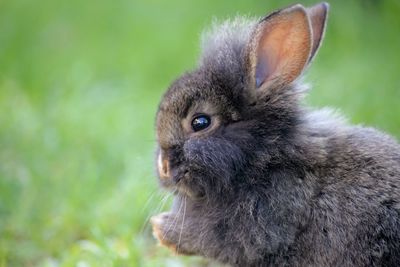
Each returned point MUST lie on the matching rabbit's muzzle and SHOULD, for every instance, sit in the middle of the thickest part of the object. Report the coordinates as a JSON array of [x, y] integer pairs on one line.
[[200, 167]]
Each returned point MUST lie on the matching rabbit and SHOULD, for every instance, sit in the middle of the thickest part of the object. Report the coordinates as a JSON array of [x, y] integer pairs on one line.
[[260, 179]]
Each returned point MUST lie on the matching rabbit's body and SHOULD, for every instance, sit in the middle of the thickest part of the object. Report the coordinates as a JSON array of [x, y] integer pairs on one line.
[[269, 182]]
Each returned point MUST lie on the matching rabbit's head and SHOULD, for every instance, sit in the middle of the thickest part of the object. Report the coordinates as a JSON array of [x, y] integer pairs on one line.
[[239, 109]]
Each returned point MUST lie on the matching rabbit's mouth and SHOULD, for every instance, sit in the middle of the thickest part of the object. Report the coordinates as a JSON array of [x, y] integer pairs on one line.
[[183, 181], [185, 185], [194, 195]]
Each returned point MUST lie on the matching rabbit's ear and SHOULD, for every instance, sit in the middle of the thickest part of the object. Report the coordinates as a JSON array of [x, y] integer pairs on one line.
[[279, 48], [318, 15]]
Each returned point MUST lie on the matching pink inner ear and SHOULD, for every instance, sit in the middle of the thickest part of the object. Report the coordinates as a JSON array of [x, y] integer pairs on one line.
[[283, 48], [262, 71]]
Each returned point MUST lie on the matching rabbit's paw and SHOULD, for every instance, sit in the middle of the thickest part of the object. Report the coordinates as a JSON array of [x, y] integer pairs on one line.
[[165, 232]]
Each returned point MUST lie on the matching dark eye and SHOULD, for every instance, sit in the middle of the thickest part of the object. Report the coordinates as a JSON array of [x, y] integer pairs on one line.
[[200, 122]]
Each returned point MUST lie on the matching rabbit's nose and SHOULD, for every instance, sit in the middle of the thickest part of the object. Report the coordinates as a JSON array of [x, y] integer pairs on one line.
[[163, 167]]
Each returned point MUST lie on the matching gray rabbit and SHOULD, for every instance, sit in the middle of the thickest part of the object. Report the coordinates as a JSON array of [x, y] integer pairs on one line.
[[261, 180]]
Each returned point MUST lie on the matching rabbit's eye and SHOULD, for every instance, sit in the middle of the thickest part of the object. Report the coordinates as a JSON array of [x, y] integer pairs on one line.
[[201, 122]]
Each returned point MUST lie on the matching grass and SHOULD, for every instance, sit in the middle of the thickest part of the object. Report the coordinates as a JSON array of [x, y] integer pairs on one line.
[[79, 87]]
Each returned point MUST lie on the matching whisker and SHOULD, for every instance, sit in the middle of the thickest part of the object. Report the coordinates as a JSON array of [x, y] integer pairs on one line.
[[159, 207], [175, 221], [163, 202], [183, 221], [148, 200], [142, 228]]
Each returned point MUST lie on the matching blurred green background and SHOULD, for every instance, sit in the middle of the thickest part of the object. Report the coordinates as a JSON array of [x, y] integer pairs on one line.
[[79, 86]]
